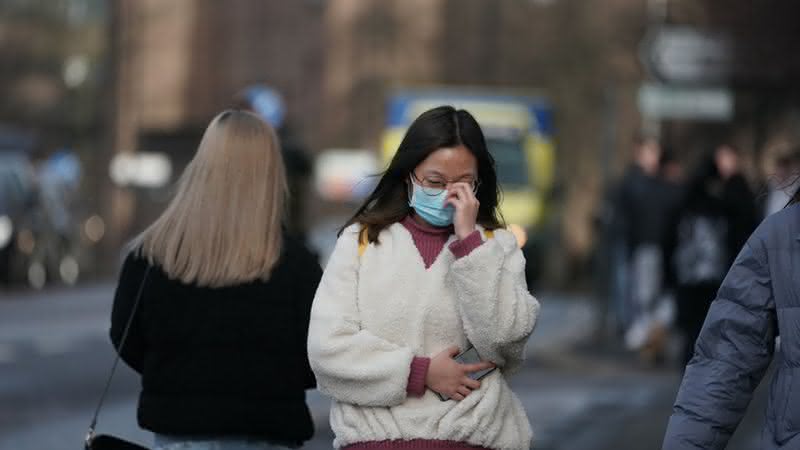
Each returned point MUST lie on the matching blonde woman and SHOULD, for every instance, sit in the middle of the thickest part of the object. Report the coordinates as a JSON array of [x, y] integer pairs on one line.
[[219, 333], [423, 271]]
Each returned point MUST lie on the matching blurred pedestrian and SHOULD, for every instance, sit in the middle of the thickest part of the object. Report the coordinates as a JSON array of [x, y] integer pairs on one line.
[[643, 216], [219, 336], [758, 301], [269, 105], [714, 218], [660, 317], [422, 271], [785, 179]]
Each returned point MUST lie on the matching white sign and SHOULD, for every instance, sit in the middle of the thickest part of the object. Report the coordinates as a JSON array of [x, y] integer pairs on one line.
[[141, 169], [669, 102], [688, 55]]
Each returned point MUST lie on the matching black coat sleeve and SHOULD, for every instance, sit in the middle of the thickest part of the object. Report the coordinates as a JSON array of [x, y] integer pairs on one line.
[[309, 275], [130, 280]]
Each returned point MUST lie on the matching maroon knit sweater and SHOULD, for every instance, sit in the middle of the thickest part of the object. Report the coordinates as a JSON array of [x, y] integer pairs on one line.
[[430, 242]]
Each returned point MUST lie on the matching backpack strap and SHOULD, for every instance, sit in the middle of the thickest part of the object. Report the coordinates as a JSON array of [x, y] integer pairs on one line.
[[363, 241]]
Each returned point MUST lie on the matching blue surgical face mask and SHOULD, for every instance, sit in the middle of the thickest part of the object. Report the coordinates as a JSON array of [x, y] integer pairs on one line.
[[431, 208]]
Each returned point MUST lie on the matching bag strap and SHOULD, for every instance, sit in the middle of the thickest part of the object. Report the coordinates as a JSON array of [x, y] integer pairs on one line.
[[363, 239], [93, 425]]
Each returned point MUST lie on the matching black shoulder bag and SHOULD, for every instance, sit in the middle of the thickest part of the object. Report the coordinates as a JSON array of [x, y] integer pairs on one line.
[[106, 441]]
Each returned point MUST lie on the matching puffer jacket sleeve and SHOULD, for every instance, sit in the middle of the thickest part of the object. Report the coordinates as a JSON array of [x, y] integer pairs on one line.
[[732, 353], [497, 309], [351, 364]]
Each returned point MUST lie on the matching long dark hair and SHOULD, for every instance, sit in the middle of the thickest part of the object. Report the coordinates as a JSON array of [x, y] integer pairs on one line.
[[436, 128]]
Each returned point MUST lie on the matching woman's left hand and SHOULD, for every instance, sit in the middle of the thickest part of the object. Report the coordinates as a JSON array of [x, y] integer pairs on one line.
[[462, 198]]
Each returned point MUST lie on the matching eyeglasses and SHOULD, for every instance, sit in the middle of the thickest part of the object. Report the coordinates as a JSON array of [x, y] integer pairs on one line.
[[434, 185]]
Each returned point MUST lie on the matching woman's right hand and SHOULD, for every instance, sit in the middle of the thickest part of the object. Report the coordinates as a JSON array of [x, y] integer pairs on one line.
[[450, 378]]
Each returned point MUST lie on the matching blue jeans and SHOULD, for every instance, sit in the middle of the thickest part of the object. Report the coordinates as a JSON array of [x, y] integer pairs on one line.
[[163, 442]]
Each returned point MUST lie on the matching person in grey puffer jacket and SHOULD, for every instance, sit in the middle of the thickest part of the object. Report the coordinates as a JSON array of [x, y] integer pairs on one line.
[[759, 300]]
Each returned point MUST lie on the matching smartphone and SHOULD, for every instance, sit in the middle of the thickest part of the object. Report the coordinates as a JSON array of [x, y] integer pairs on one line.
[[469, 356]]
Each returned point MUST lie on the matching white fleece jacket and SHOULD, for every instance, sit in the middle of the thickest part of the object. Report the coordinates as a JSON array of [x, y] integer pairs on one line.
[[372, 314]]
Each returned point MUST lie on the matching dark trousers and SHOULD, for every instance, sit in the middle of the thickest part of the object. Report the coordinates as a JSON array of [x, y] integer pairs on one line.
[[693, 304]]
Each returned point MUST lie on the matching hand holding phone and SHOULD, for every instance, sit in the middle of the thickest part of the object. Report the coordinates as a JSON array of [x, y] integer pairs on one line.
[[470, 356], [455, 375]]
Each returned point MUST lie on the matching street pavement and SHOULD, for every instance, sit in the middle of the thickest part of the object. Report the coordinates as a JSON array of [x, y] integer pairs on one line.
[[579, 394]]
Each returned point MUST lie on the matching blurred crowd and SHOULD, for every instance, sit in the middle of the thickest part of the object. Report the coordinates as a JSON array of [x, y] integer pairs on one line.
[[672, 233]]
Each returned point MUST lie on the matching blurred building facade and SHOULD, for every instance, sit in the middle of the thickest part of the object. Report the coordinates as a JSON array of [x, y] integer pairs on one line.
[[337, 61], [52, 67], [161, 70], [181, 62], [759, 72]]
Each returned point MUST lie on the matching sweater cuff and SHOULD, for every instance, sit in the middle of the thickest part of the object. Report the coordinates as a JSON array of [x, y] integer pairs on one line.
[[465, 246], [416, 379]]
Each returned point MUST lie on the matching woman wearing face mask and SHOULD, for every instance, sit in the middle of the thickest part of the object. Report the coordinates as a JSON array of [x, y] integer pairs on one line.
[[422, 271]]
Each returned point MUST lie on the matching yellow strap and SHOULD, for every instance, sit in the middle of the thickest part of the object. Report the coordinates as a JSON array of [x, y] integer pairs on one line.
[[363, 241], [489, 234]]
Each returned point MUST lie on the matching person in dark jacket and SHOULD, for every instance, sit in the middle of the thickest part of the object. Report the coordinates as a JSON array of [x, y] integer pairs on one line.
[[219, 336], [717, 214], [759, 300], [642, 214]]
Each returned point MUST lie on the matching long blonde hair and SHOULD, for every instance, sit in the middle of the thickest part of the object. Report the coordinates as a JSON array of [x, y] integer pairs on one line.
[[223, 227]]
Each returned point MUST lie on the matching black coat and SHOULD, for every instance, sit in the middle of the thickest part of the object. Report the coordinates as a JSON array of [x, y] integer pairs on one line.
[[226, 361], [726, 210], [642, 206]]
